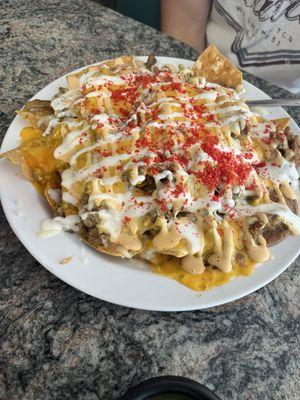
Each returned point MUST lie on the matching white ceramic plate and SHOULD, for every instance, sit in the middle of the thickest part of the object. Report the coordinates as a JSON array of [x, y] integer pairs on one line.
[[125, 282]]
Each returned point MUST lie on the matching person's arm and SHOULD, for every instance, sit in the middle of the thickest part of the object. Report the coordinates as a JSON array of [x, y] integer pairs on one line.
[[186, 20]]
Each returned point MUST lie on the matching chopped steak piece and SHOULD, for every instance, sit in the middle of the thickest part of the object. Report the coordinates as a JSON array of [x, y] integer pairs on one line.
[[246, 130], [93, 236], [91, 220], [150, 233], [240, 258], [273, 196], [150, 61], [292, 204], [275, 231], [256, 228], [294, 145], [148, 185]]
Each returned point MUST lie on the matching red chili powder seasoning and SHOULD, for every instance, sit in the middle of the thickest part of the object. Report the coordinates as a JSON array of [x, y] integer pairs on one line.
[[128, 94], [126, 220], [105, 153], [228, 169], [179, 189], [124, 112], [261, 164], [162, 204]]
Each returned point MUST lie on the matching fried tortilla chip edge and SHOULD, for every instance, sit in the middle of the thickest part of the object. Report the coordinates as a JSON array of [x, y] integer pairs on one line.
[[217, 68]]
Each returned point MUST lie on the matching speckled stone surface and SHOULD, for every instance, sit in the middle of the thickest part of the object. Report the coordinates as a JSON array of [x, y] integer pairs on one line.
[[58, 343]]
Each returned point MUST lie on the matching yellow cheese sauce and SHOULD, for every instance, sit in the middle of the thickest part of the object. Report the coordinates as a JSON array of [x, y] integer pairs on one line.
[[209, 279], [38, 152], [212, 276], [39, 149]]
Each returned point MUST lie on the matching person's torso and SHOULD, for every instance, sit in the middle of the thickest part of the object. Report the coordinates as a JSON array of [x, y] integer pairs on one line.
[[261, 36]]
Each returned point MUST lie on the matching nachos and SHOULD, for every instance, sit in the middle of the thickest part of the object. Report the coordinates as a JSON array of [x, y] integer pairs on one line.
[[167, 164]]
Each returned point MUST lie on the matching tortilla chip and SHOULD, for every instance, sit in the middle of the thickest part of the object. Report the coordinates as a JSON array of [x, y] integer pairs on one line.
[[281, 123], [52, 203], [73, 79], [216, 68], [73, 82], [124, 60], [15, 156], [34, 110], [41, 106]]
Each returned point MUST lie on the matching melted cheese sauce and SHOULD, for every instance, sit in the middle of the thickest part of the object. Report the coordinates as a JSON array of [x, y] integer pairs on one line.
[[38, 152], [210, 278]]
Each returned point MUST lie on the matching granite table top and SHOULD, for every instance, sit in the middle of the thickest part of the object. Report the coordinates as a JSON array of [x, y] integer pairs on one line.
[[59, 343]]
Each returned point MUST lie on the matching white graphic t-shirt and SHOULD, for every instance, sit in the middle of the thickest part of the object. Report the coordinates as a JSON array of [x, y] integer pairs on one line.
[[261, 36]]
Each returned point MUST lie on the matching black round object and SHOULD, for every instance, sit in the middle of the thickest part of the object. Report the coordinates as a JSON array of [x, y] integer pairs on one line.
[[156, 388]]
